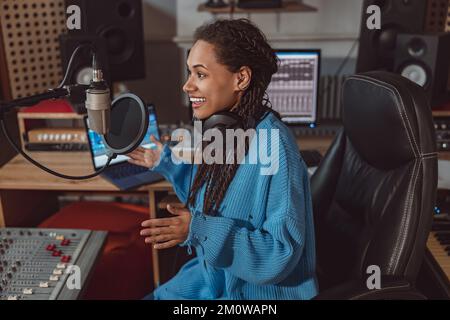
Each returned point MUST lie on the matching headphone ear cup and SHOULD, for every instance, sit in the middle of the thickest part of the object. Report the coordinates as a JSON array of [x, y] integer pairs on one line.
[[222, 120]]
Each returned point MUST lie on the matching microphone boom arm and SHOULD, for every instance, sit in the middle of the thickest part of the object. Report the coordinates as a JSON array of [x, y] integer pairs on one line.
[[32, 100], [59, 92]]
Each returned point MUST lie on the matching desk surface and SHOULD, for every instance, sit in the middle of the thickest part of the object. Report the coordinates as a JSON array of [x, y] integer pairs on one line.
[[19, 174]]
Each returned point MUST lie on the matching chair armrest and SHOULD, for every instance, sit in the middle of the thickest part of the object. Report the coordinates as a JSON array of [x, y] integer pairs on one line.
[[392, 288]]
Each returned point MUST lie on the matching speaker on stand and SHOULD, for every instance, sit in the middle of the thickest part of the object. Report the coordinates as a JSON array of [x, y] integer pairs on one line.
[[377, 47], [119, 23], [81, 69], [425, 59]]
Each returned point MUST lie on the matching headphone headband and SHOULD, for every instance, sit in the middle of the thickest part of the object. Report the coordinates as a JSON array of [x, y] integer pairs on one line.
[[223, 120], [228, 120]]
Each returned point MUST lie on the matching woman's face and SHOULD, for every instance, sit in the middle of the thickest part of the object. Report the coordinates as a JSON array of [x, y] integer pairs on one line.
[[210, 85]]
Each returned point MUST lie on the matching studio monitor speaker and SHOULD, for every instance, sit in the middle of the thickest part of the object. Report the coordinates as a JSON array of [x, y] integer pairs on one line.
[[376, 47], [81, 68], [425, 59], [119, 22]]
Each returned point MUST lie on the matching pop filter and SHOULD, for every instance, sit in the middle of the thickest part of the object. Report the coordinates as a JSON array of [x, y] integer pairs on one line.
[[128, 126]]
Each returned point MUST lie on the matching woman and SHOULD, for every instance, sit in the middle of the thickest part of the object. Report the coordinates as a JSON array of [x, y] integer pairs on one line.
[[253, 233]]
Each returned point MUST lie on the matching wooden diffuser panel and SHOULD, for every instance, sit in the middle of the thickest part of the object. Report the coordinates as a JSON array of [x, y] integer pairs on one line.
[[30, 30], [447, 27], [437, 16]]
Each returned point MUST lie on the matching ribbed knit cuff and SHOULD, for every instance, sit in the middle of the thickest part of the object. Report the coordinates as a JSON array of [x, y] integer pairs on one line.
[[196, 230]]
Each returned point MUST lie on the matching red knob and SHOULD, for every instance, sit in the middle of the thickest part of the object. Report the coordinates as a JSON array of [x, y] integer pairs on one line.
[[57, 253], [65, 258]]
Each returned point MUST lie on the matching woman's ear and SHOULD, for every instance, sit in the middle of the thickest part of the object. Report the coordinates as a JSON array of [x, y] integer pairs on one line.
[[243, 78]]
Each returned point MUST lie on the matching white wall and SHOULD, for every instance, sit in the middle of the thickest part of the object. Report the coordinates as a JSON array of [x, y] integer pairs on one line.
[[170, 24], [162, 84], [333, 28]]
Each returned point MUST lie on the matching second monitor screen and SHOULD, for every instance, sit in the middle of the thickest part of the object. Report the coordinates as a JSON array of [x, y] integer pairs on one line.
[[293, 89]]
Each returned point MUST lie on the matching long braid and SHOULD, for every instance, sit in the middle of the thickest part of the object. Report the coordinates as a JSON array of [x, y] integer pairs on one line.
[[237, 43]]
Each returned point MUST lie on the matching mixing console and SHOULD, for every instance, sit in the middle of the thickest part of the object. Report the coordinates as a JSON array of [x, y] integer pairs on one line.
[[39, 263]]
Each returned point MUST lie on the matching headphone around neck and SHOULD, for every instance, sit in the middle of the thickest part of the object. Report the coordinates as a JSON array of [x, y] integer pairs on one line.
[[223, 120]]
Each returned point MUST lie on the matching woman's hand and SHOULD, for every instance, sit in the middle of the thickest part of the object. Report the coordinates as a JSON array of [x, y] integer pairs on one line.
[[167, 232], [146, 157]]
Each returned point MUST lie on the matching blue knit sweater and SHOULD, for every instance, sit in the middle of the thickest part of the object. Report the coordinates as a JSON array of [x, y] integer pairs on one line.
[[260, 243]]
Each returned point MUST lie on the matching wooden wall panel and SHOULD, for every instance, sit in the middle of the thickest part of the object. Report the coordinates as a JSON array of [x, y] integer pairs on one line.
[[437, 19], [29, 53], [30, 31]]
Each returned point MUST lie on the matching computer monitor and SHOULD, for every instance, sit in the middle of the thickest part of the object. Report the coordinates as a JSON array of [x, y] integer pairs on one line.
[[293, 90]]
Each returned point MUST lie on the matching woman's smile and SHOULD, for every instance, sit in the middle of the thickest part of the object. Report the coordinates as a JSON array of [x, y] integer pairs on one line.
[[197, 102]]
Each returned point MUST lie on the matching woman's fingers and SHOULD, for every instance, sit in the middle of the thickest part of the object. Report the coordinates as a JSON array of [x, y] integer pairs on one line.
[[160, 238], [177, 210], [145, 157], [173, 210], [155, 141], [156, 231], [167, 244], [161, 222], [139, 149], [137, 162], [135, 156], [132, 154], [136, 153], [148, 154]]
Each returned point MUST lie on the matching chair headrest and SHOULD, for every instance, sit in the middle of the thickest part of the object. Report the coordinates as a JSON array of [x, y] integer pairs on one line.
[[387, 119]]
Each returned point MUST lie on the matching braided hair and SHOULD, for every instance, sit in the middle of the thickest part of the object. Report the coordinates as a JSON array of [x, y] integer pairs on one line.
[[237, 43]]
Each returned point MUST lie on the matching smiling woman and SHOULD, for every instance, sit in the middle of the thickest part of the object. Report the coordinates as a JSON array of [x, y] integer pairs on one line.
[[253, 232], [230, 66], [211, 86]]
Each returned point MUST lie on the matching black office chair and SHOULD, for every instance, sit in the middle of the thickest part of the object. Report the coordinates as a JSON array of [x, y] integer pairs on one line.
[[374, 191]]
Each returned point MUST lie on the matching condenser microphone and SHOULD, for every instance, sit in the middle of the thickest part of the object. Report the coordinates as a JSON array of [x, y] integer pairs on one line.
[[122, 123], [98, 101]]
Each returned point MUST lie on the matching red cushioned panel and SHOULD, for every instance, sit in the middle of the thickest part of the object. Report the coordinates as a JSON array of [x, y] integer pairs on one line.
[[111, 216], [124, 268], [47, 106]]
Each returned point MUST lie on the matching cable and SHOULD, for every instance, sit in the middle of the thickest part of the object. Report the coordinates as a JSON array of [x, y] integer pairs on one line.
[[344, 62], [342, 65], [37, 164], [72, 57]]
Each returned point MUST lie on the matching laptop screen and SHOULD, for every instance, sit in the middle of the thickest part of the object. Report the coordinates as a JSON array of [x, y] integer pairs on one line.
[[98, 149]]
